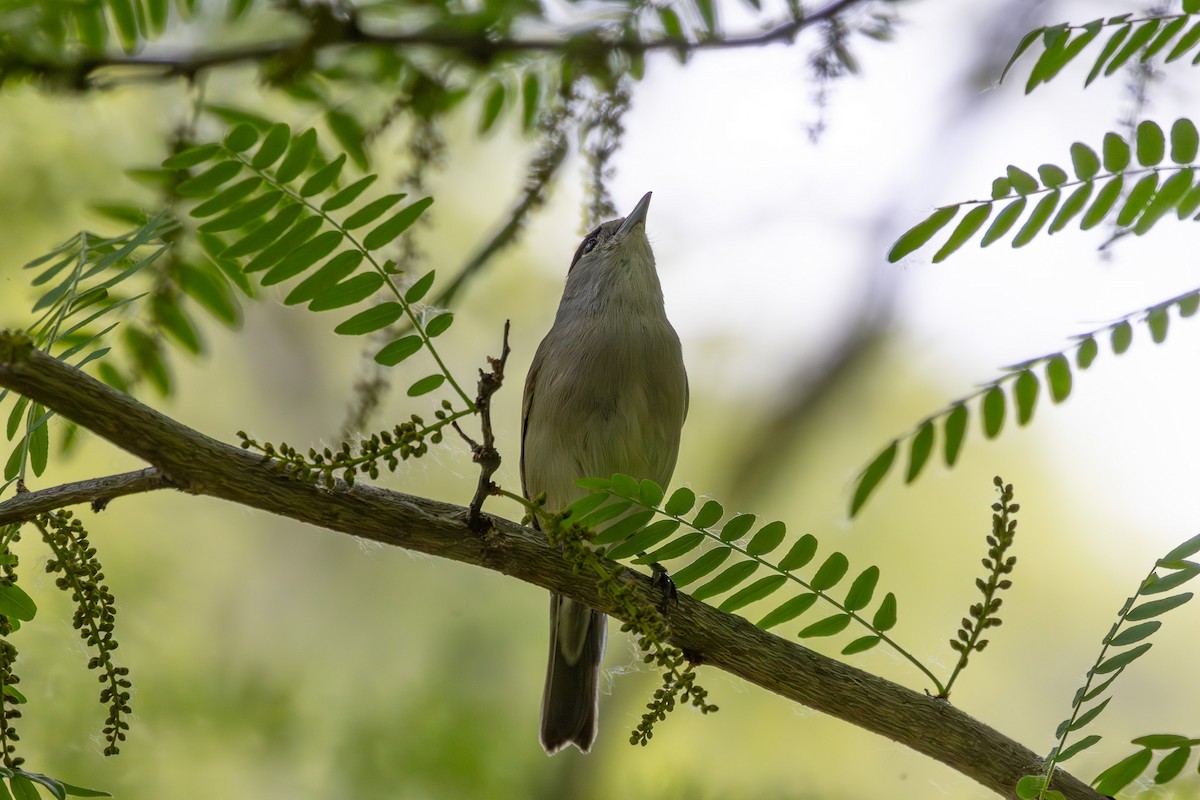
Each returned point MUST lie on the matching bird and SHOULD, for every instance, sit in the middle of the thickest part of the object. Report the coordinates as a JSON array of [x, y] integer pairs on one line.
[[606, 393]]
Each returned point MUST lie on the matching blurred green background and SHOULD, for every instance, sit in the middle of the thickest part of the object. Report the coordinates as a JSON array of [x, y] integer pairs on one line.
[[272, 660]]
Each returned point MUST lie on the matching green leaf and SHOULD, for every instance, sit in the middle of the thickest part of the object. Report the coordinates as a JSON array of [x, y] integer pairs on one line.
[[191, 156], [956, 431], [1136, 42], [395, 352], [871, 477], [241, 138], [827, 627], [832, 571], [1162, 741], [79, 791], [729, 578], [242, 215], [1189, 305], [492, 106], [1182, 551], [1025, 392], [1083, 719], [674, 549], [371, 211], [769, 537], [918, 454], [1122, 337], [1184, 141], [993, 412], [299, 155], [15, 603], [1116, 153], [207, 181], [348, 195], [967, 227], [1135, 633], [644, 539], [1001, 188], [737, 527], [348, 292], [419, 289], [39, 446], [682, 501], [1077, 748], [1158, 321], [709, 514], [350, 135], [861, 645], [267, 233], [387, 231], [211, 290], [272, 147], [1166, 199], [703, 565], [1029, 39], [1123, 773], [1172, 764], [303, 257], [23, 788], [1177, 577], [1058, 377], [1088, 350], [1021, 181], [862, 590], [624, 528], [1051, 175], [1185, 43], [1037, 220], [672, 27], [531, 91], [323, 178], [227, 197], [440, 324], [370, 320], [325, 278], [177, 324], [788, 611], [1165, 35], [1139, 197], [763, 587], [1003, 221], [921, 233], [800, 553], [300, 233], [1084, 161], [1122, 659], [885, 616], [1103, 203], [426, 385]]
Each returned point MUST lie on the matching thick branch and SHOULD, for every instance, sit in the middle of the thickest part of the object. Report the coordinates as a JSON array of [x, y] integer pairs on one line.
[[477, 46], [202, 465]]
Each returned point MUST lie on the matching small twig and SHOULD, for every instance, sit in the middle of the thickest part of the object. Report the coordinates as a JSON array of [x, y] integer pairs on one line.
[[98, 491], [485, 453]]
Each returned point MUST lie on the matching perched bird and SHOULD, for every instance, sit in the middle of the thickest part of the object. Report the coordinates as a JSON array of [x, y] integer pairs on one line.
[[606, 393]]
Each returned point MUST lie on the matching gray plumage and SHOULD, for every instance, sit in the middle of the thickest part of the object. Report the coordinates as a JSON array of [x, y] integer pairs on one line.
[[606, 393]]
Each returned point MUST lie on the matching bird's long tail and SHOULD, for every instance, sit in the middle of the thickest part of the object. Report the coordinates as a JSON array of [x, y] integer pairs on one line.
[[571, 696]]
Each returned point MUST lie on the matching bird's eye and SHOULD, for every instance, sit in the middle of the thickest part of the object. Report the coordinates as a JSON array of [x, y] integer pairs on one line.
[[589, 244]]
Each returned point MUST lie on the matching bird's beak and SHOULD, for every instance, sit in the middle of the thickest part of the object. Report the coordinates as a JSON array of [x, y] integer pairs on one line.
[[637, 216]]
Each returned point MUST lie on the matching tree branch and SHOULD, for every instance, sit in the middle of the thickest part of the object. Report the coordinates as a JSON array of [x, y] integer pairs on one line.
[[479, 46], [97, 491], [199, 464]]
